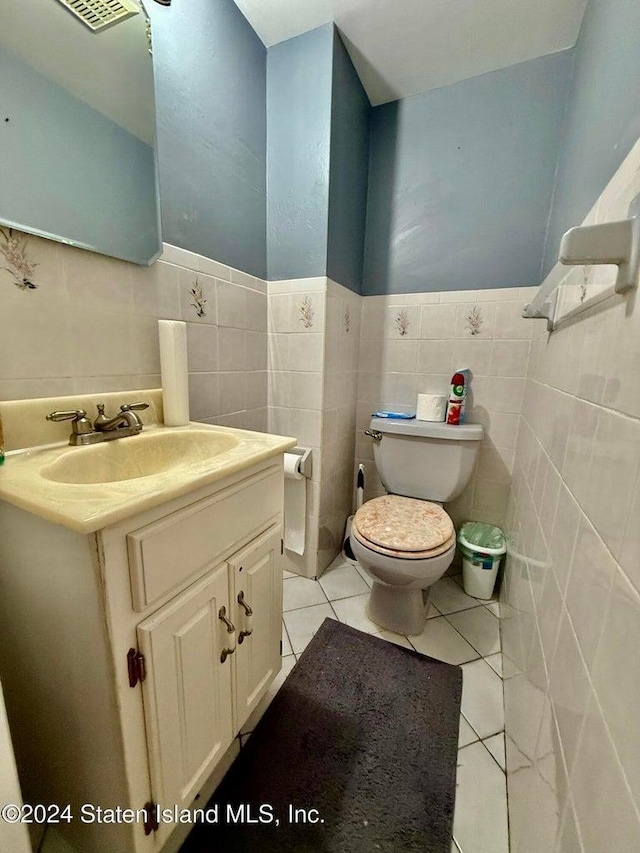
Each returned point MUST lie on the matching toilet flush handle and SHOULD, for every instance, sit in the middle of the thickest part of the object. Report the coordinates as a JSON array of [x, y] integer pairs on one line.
[[374, 433]]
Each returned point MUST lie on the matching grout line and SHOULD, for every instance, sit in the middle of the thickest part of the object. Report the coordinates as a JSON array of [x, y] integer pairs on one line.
[[462, 609], [284, 628], [625, 415], [472, 729], [471, 660], [482, 741], [486, 659], [463, 637], [345, 597], [307, 606], [593, 699], [471, 644]]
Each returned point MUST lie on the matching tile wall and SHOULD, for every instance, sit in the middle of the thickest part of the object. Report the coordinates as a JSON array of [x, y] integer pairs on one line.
[[314, 329], [342, 339], [413, 343], [296, 389], [88, 323], [227, 340], [571, 598]]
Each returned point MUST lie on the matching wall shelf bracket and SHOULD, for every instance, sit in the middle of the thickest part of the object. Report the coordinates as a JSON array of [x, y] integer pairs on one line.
[[614, 243], [608, 243], [545, 309]]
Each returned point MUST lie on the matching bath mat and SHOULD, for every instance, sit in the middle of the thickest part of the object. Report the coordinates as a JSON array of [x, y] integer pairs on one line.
[[357, 753]]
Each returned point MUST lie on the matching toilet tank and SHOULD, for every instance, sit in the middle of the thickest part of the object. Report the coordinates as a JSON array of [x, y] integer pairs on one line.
[[421, 459]]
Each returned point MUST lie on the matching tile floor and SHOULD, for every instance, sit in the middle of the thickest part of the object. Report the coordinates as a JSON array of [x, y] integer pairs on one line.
[[460, 630]]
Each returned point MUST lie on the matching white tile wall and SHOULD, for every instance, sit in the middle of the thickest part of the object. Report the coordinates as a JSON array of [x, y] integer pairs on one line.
[[91, 325], [296, 324], [314, 330], [413, 343], [571, 597], [342, 340]]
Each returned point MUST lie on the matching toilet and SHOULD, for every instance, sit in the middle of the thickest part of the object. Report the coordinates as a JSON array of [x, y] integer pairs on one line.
[[405, 541]]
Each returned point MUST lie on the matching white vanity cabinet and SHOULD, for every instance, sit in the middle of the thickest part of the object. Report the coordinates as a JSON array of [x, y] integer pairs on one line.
[[202, 679], [131, 657]]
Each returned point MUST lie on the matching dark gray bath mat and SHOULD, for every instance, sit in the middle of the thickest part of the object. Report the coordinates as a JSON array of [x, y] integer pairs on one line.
[[363, 731]]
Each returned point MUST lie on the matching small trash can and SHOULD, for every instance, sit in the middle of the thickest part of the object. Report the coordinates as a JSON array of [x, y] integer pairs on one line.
[[482, 547]]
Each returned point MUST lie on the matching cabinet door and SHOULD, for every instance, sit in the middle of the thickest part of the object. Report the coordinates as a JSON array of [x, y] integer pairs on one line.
[[187, 690], [257, 577]]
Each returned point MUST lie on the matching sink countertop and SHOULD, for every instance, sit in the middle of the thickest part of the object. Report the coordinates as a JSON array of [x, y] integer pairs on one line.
[[87, 507]]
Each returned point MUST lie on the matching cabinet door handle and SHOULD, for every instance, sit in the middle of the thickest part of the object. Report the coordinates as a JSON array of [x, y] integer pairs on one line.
[[248, 618], [231, 629]]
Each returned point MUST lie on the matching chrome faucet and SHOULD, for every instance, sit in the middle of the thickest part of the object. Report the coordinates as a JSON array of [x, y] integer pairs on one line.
[[83, 432]]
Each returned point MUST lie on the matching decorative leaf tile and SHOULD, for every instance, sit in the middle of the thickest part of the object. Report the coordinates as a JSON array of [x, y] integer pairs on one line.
[[198, 299], [474, 320], [13, 250], [586, 281], [402, 322], [306, 312]]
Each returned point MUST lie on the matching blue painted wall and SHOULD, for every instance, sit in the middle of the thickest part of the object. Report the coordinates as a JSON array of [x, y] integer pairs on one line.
[[460, 181], [348, 173], [603, 118], [299, 73], [210, 73], [86, 179]]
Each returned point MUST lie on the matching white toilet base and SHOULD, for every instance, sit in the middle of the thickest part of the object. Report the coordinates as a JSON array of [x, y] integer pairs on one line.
[[396, 601], [397, 609]]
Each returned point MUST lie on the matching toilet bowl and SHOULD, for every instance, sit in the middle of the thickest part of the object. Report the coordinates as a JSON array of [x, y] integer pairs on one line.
[[405, 540], [399, 567]]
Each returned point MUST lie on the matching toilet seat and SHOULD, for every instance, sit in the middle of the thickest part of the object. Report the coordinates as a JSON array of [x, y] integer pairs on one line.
[[404, 555], [402, 527]]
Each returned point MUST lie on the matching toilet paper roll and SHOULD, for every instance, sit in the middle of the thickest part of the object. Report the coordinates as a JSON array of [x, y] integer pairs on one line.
[[175, 376], [295, 504], [431, 407]]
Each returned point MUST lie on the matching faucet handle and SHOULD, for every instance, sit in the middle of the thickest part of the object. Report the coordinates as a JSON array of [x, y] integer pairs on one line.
[[76, 414], [81, 424], [134, 407]]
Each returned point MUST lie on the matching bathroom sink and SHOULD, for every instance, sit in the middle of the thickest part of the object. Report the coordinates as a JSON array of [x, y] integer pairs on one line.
[[89, 488], [138, 456]]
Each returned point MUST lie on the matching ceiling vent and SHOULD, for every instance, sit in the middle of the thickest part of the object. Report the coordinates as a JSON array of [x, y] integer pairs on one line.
[[100, 14]]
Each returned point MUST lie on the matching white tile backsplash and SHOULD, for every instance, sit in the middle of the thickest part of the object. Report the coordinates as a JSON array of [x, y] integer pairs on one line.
[[395, 368], [232, 304], [202, 343], [88, 303], [436, 319], [197, 297]]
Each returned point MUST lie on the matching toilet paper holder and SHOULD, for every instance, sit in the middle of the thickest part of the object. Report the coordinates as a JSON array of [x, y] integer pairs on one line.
[[305, 463]]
